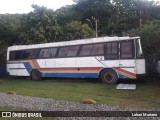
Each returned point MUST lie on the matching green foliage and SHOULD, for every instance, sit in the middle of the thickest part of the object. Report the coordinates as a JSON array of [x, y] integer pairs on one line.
[[3, 57], [77, 30], [39, 26], [8, 28], [150, 37], [150, 34], [99, 9], [45, 25], [70, 22], [3, 52], [116, 16]]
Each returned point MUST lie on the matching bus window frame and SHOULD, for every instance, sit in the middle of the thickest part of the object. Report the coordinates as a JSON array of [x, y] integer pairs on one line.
[[97, 54], [133, 49], [79, 50], [23, 52], [91, 50], [41, 57], [55, 52], [79, 47], [105, 50]]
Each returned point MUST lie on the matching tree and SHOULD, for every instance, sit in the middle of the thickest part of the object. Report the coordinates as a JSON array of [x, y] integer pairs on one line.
[[8, 33], [115, 16], [149, 34], [129, 14], [45, 25], [9, 24], [39, 26], [65, 15], [77, 30], [99, 9]]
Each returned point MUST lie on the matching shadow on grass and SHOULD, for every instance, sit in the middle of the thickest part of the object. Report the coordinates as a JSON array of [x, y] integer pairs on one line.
[[147, 80]]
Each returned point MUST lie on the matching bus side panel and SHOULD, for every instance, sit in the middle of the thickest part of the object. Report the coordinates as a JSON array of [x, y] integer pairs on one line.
[[19, 72], [140, 66], [17, 69], [128, 73], [71, 75], [111, 63], [124, 68], [84, 67], [70, 62]]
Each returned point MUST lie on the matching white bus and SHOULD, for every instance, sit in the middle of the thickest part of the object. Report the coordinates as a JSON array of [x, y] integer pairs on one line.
[[107, 58]]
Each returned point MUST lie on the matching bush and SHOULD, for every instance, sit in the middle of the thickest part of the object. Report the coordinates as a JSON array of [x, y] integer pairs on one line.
[[150, 38]]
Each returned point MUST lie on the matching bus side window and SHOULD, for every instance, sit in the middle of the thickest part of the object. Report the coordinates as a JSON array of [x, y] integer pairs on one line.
[[73, 50], [52, 52], [43, 53], [34, 54], [86, 50], [26, 54], [12, 55], [18, 55], [111, 50], [63, 52], [127, 50], [98, 49]]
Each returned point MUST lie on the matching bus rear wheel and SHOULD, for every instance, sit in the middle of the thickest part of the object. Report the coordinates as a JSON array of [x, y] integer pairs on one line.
[[108, 76], [36, 75]]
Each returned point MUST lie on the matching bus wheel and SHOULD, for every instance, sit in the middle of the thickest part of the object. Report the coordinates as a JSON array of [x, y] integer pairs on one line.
[[108, 76], [36, 75]]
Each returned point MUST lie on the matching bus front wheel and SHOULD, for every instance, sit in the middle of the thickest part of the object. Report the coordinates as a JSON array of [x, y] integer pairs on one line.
[[108, 76], [36, 75]]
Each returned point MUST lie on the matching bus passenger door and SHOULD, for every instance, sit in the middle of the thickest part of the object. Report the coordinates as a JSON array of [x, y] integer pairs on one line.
[[111, 54], [127, 59]]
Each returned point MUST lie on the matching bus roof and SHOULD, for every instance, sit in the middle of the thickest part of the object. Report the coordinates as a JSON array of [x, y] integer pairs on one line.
[[73, 42]]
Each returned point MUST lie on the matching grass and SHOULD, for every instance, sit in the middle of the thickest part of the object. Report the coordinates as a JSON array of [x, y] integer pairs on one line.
[[145, 96]]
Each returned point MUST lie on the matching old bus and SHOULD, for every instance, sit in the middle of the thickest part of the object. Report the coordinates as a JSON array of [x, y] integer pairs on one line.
[[107, 58]]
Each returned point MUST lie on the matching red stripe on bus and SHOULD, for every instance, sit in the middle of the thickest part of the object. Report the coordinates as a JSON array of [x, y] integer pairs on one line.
[[71, 69], [35, 63], [125, 71]]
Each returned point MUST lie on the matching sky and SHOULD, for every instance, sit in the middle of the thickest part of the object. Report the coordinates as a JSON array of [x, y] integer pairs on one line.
[[24, 6]]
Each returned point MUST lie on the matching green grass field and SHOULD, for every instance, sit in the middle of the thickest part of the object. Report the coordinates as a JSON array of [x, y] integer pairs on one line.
[[147, 94]]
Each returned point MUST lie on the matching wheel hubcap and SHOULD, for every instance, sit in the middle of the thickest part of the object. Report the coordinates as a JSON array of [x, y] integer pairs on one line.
[[108, 76]]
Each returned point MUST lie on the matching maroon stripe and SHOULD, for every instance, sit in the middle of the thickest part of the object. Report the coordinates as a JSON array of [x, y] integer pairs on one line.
[[125, 71]]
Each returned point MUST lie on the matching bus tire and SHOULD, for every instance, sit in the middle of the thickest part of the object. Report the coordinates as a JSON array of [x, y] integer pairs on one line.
[[108, 76], [36, 75]]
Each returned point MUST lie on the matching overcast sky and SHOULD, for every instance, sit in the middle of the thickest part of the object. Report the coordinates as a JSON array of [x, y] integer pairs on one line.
[[24, 6]]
